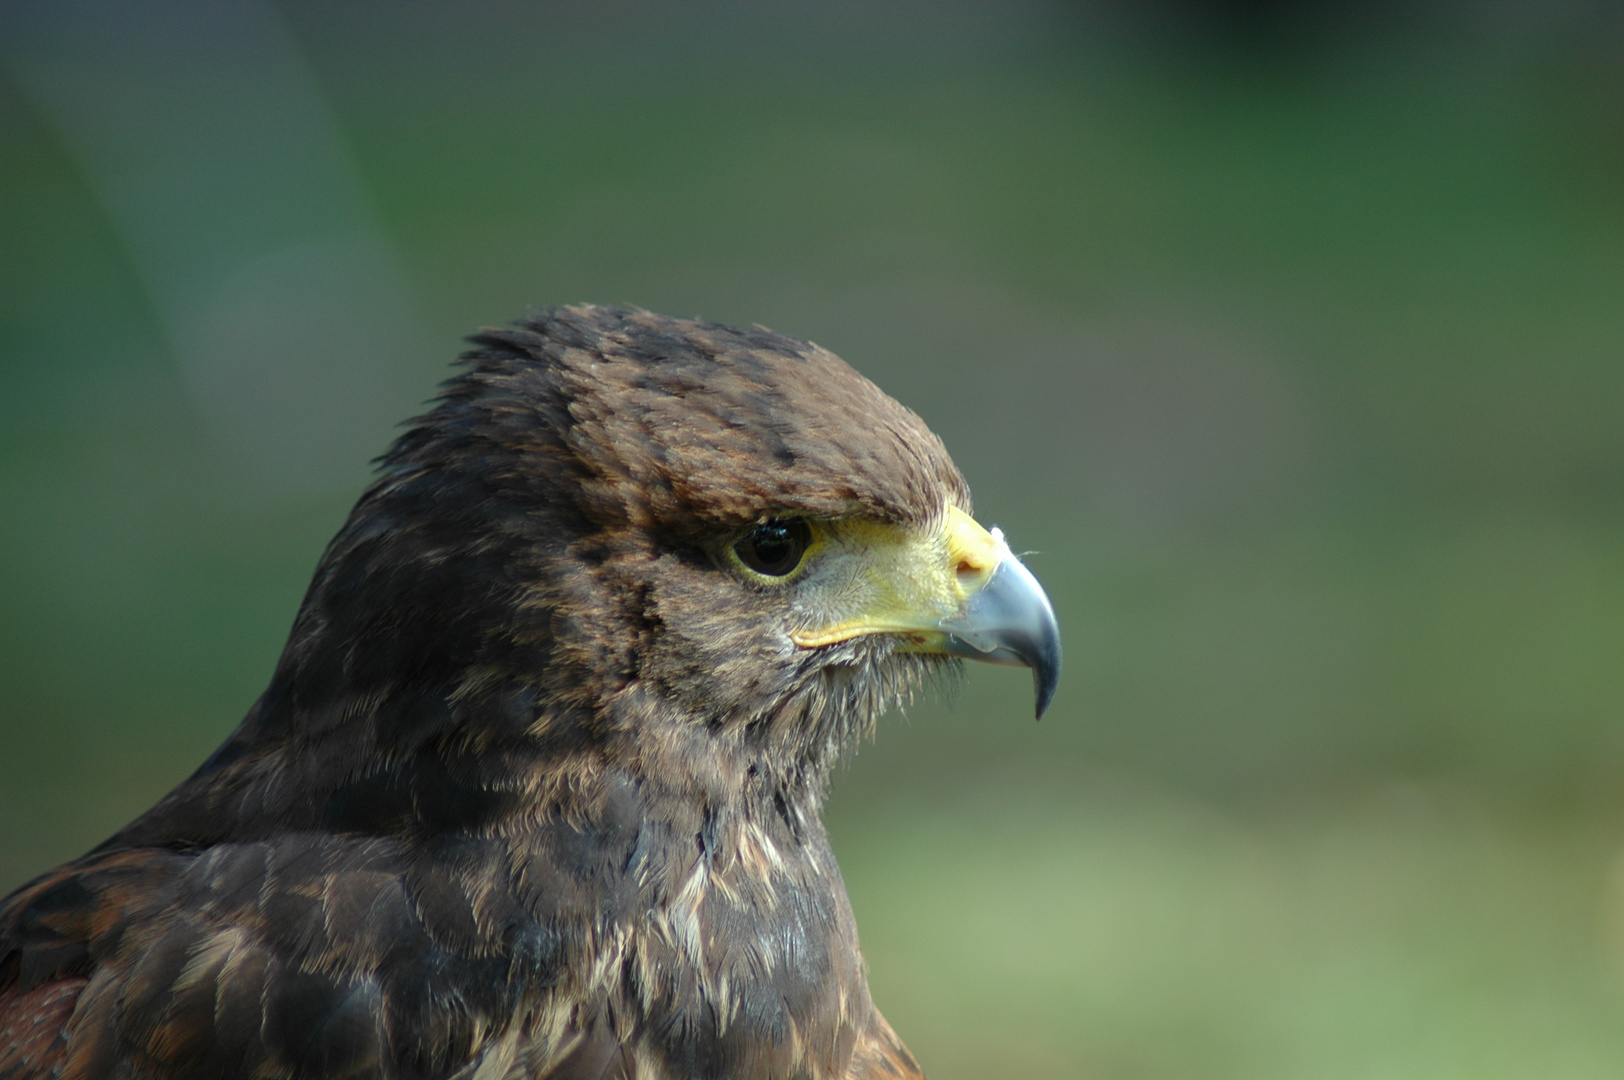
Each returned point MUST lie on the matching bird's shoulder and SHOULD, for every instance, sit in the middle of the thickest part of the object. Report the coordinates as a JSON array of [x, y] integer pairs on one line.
[[302, 954], [597, 947]]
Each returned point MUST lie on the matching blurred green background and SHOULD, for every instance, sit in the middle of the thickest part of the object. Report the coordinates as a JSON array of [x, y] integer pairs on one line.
[[1288, 337]]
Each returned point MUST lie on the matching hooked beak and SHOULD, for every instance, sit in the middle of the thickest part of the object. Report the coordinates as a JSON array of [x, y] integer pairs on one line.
[[1009, 620], [957, 590]]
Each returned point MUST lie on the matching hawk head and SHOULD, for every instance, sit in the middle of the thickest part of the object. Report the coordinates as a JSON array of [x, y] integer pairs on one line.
[[721, 549]]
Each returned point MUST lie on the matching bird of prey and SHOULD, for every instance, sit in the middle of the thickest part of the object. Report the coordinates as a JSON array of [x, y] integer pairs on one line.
[[535, 788]]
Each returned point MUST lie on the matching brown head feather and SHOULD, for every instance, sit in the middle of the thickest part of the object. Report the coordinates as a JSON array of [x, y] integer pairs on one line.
[[675, 422]]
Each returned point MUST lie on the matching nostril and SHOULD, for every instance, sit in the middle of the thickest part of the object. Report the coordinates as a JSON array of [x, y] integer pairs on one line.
[[970, 573]]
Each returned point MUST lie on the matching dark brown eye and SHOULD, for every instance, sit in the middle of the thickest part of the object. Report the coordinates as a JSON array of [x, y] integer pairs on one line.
[[774, 548]]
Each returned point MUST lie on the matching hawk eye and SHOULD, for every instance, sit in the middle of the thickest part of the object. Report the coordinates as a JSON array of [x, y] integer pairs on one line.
[[775, 547]]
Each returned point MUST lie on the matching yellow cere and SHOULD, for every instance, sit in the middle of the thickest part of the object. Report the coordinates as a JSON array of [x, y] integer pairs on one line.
[[902, 581]]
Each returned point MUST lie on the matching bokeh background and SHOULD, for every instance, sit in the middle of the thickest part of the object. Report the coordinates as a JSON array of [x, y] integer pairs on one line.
[[1289, 337]]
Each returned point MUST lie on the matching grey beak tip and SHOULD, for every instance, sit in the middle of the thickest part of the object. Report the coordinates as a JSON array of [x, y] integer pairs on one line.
[[1044, 689], [1046, 673]]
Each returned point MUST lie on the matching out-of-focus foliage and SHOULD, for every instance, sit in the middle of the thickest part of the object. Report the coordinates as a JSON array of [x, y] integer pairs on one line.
[[1291, 344]]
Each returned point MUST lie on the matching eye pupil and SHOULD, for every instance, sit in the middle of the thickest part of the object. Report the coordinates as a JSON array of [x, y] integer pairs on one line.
[[774, 547]]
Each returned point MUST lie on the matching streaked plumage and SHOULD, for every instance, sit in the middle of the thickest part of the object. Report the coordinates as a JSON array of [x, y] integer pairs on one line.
[[535, 788]]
